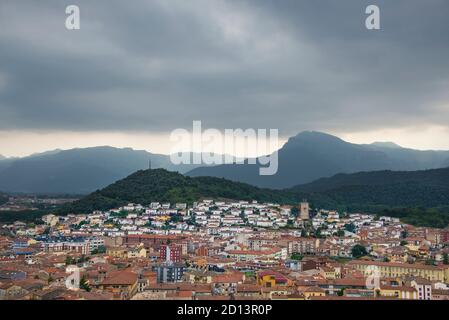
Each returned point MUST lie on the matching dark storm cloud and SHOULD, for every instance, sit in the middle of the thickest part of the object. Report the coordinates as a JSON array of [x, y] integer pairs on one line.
[[288, 64]]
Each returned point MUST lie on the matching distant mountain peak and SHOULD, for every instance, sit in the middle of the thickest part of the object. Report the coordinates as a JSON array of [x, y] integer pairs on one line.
[[315, 134], [2, 157], [386, 144], [45, 153], [315, 137]]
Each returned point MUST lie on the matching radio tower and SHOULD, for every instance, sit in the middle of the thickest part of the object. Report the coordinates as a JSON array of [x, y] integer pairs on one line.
[[149, 164]]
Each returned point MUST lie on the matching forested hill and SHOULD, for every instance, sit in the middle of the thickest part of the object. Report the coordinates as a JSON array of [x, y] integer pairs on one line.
[[146, 186], [370, 191], [438, 178], [417, 197]]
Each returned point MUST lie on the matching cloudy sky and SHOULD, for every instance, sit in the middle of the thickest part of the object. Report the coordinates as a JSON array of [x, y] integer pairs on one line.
[[135, 72]]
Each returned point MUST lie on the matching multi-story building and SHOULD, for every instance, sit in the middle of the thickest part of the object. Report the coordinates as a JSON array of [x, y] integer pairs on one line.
[[95, 243], [151, 240], [61, 244], [388, 269], [169, 272], [304, 246], [122, 284], [423, 287], [171, 253]]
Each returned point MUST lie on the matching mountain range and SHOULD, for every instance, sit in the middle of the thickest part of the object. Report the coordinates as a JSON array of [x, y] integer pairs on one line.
[[77, 171], [313, 155], [305, 157]]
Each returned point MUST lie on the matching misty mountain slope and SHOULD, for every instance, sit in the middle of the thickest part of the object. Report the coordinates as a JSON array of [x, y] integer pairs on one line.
[[313, 155], [304, 158], [77, 170], [411, 159], [5, 163]]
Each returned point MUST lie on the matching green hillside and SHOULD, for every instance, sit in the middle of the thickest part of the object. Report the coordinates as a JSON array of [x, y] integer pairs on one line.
[[419, 198], [146, 186], [375, 191], [438, 178]]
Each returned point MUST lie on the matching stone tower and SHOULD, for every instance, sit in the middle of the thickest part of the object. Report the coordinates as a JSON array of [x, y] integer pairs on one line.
[[304, 209]]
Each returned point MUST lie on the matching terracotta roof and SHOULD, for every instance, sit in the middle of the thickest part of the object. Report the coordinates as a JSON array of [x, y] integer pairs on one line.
[[278, 277], [180, 294], [152, 236], [343, 282], [248, 288], [228, 278], [314, 289], [213, 298], [120, 278], [253, 252]]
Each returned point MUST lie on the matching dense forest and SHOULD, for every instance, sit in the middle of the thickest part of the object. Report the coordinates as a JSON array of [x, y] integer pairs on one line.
[[27, 216], [436, 178], [421, 217]]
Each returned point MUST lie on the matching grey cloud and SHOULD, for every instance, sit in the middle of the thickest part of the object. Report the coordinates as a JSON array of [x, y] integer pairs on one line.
[[288, 64]]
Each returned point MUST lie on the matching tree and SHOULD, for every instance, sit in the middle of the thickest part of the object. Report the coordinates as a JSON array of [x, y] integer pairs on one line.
[[101, 249], [175, 218], [191, 221], [358, 251], [303, 233], [294, 211], [350, 227], [430, 262], [82, 223], [296, 256], [445, 258], [377, 293], [69, 260], [84, 284], [404, 243], [340, 233]]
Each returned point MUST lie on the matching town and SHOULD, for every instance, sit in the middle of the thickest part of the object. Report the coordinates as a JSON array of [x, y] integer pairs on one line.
[[223, 250]]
